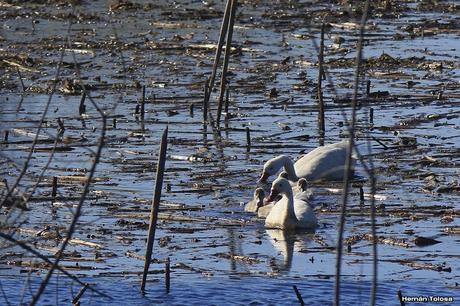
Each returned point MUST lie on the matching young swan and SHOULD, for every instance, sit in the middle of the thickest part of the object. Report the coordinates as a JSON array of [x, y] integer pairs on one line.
[[256, 202], [289, 213], [302, 194], [323, 163]]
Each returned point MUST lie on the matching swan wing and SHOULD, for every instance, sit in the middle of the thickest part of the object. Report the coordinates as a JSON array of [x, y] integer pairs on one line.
[[305, 214], [326, 163], [265, 210]]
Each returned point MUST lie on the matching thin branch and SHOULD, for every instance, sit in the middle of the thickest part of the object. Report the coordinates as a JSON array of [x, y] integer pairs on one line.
[[42, 120], [45, 259], [348, 164], [42, 173], [77, 214], [78, 210]]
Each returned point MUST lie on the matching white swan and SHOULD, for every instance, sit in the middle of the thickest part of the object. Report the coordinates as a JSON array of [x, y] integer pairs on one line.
[[292, 213], [256, 202], [323, 163], [302, 194]]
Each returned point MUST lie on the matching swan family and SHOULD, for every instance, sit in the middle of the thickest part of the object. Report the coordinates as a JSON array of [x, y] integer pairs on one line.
[[294, 211]]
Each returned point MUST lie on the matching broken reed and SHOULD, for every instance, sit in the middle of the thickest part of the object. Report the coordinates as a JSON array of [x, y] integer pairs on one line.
[[76, 299], [223, 31], [228, 47], [168, 274], [205, 101], [143, 103], [54, 188], [227, 97], [321, 124], [248, 140], [299, 296], [23, 87], [371, 116], [155, 206], [400, 298], [82, 107]]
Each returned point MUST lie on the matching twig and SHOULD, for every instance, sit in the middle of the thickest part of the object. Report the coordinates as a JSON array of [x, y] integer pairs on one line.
[[143, 103], [321, 124], [42, 173], [82, 107], [20, 79], [223, 30], [76, 299], [371, 116], [78, 209], [348, 164], [42, 120], [155, 206], [54, 188], [227, 98], [299, 296], [248, 140], [45, 259], [379, 142], [400, 297], [76, 216], [168, 274], [205, 103]]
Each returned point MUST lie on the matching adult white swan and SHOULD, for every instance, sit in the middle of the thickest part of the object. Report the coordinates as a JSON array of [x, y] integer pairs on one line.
[[323, 163], [292, 213], [302, 194]]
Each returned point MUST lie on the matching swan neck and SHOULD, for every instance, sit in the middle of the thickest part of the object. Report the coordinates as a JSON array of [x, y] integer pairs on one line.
[[289, 167], [290, 212]]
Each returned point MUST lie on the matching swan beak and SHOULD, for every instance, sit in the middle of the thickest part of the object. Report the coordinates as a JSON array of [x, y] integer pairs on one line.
[[263, 178], [273, 194]]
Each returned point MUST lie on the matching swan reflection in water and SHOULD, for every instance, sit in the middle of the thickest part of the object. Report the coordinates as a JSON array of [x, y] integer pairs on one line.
[[286, 243]]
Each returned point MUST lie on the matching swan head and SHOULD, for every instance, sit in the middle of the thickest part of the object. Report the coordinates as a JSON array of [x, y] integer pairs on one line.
[[284, 174], [303, 184], [279, 186], [259, 195], [271, 167]]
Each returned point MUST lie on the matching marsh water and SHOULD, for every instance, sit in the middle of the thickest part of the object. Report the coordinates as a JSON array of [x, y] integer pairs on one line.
[[219, 254]]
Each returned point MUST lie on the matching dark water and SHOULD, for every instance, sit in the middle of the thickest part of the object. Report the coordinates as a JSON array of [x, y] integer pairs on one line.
[[228, 290]]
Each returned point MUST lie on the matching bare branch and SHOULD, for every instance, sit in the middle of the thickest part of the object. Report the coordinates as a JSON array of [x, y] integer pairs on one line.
[[348, 164], [45, 259]]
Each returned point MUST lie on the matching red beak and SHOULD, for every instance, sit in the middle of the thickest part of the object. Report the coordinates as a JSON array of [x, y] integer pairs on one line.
[[273, 194], [263, 178]]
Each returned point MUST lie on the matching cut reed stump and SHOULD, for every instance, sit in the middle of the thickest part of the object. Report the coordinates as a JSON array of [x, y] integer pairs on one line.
[[321, 124], [82, 106], [299, 296], [143, 103], [223, 31], [155, 206], [228, 47]]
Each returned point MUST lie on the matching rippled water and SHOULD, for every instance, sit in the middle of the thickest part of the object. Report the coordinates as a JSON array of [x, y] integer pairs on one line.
[[233, 290]]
